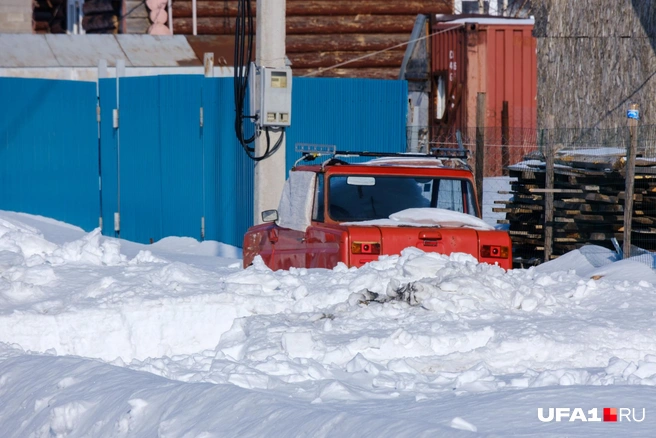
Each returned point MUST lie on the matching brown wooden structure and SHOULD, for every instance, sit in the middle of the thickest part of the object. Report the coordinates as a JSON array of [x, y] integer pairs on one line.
[[100, 16], [323, 33]]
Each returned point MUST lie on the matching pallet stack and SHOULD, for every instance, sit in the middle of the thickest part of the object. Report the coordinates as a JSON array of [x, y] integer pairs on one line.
[[589, 193]]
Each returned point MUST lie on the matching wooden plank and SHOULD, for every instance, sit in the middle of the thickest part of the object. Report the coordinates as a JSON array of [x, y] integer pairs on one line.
[[630, 181], [511, 210], [552, 190], [219, 9], [480, 146], [296, 25], [598, 197], [355, 59]]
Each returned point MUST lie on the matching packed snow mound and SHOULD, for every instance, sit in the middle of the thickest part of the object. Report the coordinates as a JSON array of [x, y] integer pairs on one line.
[[592, 261]]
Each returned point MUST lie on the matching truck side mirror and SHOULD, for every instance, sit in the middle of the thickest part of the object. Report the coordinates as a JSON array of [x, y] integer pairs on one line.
[[269, 215]]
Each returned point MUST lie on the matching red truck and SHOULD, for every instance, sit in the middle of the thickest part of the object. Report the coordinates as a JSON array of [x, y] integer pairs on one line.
[[353, 213]]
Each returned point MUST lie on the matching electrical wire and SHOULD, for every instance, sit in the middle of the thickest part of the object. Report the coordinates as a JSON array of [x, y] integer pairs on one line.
[[243, 54]]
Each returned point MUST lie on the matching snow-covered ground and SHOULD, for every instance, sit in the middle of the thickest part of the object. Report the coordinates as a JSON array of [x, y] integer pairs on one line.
[[107, 338]]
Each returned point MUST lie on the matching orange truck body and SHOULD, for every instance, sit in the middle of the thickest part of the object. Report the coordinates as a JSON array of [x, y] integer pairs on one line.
[[329, 240]]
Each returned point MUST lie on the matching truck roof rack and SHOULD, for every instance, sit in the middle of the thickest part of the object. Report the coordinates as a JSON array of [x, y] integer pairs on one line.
[[311, 152]]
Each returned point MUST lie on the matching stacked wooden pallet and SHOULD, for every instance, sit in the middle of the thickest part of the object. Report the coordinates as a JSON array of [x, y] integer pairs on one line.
[[589, 193]]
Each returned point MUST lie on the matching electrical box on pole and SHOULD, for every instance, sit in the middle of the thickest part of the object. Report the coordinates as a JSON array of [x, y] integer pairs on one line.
[[271, 96]]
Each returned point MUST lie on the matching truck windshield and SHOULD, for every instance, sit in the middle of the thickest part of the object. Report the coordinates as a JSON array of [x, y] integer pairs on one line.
[[368, 197]]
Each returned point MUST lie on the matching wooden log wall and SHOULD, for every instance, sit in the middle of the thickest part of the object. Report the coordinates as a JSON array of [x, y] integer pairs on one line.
[[100, 16], [593, 56], [49, 16], [323, 33]]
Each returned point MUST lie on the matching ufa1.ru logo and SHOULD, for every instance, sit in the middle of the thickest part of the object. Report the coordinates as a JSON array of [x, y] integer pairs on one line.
[[594, 414]]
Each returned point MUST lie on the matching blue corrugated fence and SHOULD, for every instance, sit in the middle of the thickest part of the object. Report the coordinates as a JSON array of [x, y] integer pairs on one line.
[[49, 149], [174, 158]]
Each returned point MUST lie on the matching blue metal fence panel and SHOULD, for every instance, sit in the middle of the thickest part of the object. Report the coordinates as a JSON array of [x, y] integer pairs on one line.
[[173, 171], [352, 114], [138, 140], [181, 155], [49, 149], [229, 172], [108, 156]]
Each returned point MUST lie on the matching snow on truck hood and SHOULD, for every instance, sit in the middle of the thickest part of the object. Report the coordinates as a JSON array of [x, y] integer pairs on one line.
[[431, 217]]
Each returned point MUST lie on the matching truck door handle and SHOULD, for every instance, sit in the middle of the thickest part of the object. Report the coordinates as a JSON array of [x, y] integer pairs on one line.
[[273, 235], [430, 235]]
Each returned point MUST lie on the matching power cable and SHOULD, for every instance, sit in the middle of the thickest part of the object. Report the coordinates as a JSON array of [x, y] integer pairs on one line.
[[243, 54]]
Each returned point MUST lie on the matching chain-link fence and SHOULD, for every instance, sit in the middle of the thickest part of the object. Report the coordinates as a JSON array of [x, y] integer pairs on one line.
[[588, 192]]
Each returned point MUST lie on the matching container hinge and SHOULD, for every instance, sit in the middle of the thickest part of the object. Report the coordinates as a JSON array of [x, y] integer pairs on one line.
[[98, 113], [117, 222], [201, 117], [115, 118], [202, 228]]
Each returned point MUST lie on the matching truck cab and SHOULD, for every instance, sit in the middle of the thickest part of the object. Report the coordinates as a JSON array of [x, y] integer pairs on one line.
[[353, 213]]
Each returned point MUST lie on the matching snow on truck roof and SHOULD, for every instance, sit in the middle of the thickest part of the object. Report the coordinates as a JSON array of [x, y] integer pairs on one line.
[[417, 162]]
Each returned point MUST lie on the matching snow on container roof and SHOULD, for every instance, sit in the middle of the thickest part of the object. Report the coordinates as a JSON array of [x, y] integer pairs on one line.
[[491, 20], [18, 50]]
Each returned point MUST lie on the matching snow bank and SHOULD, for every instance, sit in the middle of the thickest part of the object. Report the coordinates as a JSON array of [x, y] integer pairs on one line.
[[408, 331]]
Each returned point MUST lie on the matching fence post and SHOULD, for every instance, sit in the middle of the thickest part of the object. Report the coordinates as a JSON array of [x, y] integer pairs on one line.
[[549, 152], [208, 63], [505, 134], [632, 115], [480, 147]]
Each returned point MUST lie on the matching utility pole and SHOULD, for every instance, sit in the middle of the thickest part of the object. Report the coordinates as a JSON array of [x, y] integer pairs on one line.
[[269, 52]]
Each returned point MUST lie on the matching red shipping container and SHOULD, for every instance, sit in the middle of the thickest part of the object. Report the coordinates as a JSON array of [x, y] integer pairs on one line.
[[492, 55]]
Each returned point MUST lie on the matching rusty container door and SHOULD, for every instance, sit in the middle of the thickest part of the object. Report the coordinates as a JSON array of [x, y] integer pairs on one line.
[[511, 74], [493, 56], [512, 78], [449, 81]]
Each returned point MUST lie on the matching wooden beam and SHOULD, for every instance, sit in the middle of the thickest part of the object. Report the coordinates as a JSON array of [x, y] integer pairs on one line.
[[551, 190], [480, 146], [549, 154], [630, 181], [369, 73], [358, 59], [505, 138], [345, 42], [360, 24], [220, 9]]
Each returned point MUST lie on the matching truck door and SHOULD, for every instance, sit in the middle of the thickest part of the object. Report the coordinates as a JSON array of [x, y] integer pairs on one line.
[[295, 213], [324, 243]]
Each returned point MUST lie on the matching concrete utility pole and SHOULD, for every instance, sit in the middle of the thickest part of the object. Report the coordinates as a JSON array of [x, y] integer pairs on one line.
[[270, 52]]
